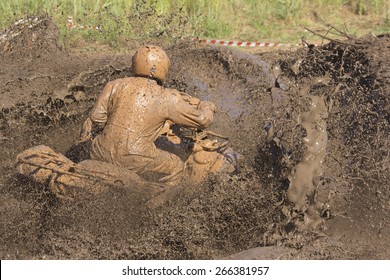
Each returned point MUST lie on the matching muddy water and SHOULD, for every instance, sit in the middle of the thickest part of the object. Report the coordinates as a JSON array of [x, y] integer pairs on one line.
[[236, 82], [305, 175]]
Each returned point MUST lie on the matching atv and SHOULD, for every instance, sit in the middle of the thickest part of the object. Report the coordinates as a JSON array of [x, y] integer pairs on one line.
[[66, 179]]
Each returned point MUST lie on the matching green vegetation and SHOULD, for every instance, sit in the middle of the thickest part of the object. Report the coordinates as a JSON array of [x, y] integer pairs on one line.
[[264, 20]]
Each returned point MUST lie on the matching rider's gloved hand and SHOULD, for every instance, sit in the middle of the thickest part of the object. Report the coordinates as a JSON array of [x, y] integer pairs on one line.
[[207, 105]]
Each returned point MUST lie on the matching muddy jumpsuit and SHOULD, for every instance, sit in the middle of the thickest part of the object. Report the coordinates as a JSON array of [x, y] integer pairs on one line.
[[132, 112]]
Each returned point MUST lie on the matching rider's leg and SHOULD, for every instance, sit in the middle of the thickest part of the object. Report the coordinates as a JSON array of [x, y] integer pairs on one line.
[[168, 164]]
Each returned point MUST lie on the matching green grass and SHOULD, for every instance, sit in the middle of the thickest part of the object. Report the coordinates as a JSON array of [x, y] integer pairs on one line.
[[255, 20]]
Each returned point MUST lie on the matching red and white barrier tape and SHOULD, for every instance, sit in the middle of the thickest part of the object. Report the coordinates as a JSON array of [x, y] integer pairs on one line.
[[240, 43], [79, 26], [246, 44]]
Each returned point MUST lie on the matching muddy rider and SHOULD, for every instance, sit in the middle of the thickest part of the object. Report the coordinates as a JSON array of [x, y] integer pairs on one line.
[[132, 112]]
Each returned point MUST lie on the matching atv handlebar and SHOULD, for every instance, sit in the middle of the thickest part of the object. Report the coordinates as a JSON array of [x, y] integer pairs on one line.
[[197, 134]]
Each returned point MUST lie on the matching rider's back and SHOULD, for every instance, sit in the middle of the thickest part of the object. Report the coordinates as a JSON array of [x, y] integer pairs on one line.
[[135, 113]]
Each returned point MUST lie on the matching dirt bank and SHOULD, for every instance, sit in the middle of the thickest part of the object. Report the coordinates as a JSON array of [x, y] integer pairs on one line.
[[313, 125]]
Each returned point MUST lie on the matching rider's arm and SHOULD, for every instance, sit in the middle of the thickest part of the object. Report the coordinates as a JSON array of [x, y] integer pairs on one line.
[[184, 111], [89, 130], [98, 115], [99, 111], [86, 131]]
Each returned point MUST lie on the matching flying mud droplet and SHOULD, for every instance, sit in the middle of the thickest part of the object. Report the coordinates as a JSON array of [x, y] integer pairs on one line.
[[322, 80], [295, 66], [270, 128], [59, 94], [276, 70], [79, 95]]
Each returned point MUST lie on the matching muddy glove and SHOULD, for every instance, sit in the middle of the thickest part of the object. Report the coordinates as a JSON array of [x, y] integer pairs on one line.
[[207, 105]]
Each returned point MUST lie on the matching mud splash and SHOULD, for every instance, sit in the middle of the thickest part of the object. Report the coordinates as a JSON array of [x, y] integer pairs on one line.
[[304, 176], [226, 215], [36, 36]]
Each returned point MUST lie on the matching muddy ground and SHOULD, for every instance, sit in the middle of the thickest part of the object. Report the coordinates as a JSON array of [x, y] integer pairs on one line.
[[312, 124]]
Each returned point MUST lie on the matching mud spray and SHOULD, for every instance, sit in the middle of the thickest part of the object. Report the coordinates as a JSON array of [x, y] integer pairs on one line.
[[228, 214], [304, 176]]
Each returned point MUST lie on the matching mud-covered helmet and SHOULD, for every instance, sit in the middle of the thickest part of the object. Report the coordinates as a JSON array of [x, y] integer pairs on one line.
[[151, 61]]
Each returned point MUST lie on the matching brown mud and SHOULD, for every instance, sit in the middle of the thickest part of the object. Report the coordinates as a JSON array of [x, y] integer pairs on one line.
[[313, 125]]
